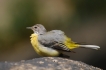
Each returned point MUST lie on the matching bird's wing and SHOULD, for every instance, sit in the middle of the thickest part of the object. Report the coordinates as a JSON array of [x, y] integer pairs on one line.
[[54, 39]]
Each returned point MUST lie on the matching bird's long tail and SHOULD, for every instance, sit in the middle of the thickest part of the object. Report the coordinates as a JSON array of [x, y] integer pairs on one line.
[[90, 46]]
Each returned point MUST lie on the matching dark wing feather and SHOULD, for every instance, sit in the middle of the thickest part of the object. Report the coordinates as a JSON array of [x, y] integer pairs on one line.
[[54, 39]]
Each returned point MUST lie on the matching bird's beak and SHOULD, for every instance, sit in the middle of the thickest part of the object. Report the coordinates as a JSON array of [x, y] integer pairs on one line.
[[32, 29], [28, 27]]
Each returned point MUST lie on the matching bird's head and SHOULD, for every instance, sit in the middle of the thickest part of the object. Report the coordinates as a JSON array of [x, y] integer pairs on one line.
[[38, 29]]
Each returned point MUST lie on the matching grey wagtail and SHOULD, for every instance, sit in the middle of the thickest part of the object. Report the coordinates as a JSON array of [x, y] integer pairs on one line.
[[54, 42]]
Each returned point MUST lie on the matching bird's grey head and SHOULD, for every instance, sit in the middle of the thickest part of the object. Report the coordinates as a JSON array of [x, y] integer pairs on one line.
[[38, 28]]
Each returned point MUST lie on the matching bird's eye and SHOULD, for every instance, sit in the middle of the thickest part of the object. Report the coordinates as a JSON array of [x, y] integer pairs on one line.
[[35, 27]]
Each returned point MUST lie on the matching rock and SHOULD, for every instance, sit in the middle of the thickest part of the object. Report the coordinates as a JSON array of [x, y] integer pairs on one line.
[[47, 63]]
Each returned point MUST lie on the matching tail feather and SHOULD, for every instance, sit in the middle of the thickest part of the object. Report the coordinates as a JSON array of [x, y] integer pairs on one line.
[[90, 46]]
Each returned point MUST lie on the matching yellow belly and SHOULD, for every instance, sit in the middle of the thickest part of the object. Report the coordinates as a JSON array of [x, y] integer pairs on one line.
[[40, 49]]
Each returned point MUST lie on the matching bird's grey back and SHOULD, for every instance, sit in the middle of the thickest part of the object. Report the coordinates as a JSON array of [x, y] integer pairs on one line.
[[52, 36]]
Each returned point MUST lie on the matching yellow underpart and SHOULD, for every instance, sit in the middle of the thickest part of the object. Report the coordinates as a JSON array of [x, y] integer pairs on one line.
[[40, 49], [34, 43], [70, 44]]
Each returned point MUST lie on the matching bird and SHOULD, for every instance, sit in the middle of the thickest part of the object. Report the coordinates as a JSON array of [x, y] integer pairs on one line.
[[53, 43]]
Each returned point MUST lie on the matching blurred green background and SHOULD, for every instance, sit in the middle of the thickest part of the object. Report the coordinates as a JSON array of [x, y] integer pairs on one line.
[[82, 20]]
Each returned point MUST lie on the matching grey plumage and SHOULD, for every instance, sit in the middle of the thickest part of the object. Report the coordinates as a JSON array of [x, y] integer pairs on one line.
[[52, 36], [53, 39]]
